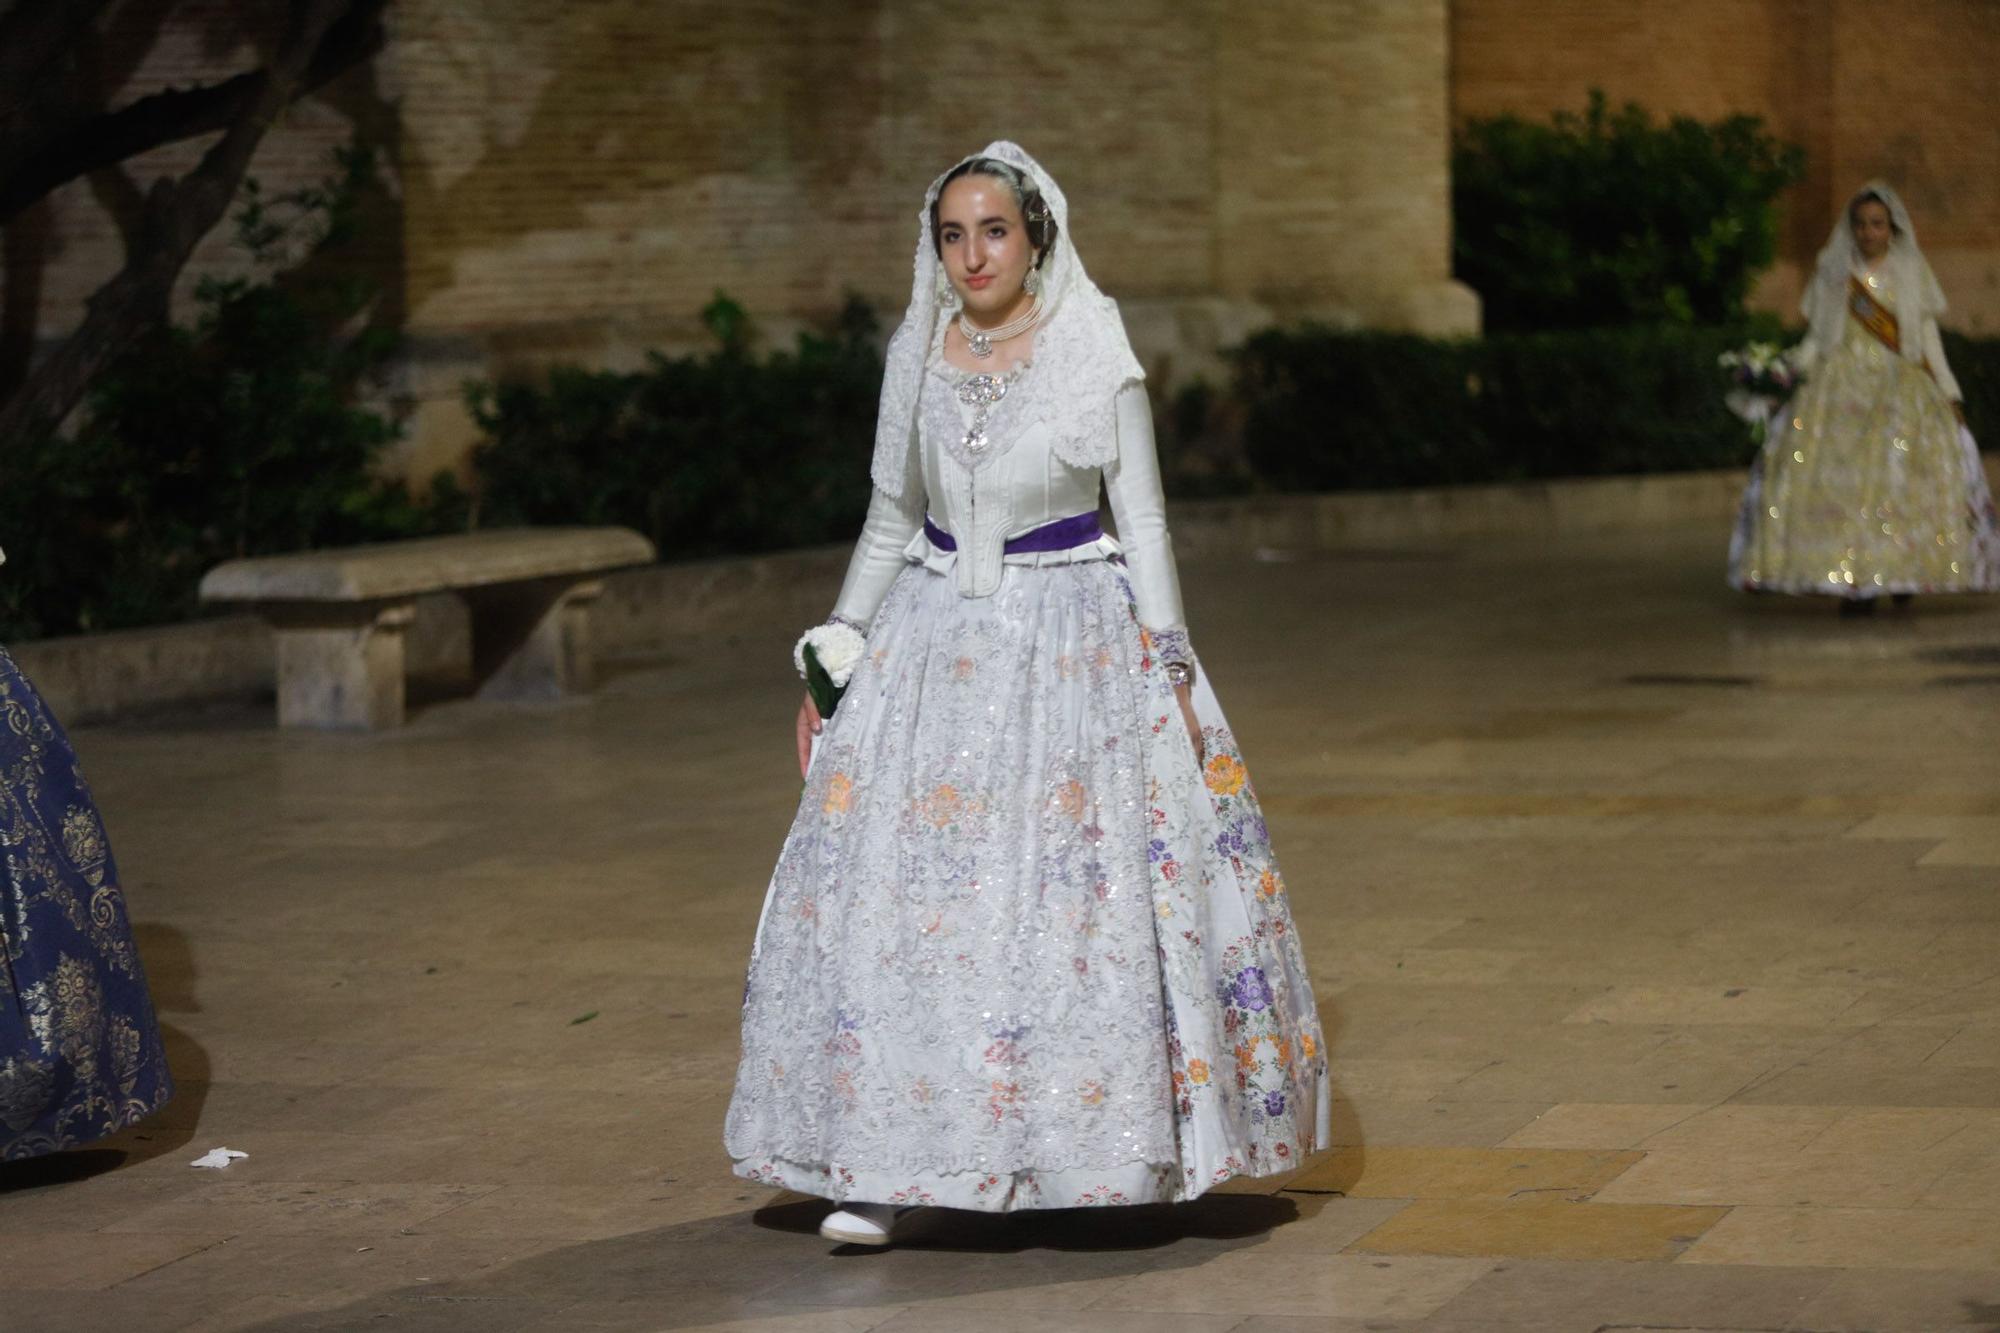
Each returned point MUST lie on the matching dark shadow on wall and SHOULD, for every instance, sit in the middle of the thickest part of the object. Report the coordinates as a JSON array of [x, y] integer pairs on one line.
[[677, 127], [503, 195], [377, 255], [25, 246], [107, 63]]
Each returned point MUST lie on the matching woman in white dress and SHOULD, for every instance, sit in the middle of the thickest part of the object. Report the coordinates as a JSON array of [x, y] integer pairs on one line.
[[1869, 484], [1026, 945]]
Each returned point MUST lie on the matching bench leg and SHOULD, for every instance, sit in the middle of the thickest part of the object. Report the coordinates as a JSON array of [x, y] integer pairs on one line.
[[341, 667], [531, 641]]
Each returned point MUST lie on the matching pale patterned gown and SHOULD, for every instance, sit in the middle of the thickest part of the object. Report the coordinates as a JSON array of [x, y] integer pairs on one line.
[[1867, 484], [1023, 948]]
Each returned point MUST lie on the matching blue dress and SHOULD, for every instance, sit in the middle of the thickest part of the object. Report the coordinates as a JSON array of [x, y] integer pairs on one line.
[[80, 1052]]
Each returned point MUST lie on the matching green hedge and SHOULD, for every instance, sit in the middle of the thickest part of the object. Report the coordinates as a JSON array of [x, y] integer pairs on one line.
[[1611, 218], [731, 452], [707, 455], [243, 434], [1975, 364], [1325, 410]]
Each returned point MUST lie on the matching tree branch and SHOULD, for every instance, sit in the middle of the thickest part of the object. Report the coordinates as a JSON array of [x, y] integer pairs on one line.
[[178, 214], [87, 144]]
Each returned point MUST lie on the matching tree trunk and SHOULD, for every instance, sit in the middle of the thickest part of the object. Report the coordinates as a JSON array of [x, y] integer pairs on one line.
[[40, 155], [178, 214]]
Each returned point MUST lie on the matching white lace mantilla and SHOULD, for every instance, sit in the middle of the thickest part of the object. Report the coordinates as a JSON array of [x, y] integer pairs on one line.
[[1082, 357]]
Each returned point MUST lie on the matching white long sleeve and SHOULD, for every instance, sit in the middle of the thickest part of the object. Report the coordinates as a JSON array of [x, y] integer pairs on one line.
[[1933, 346], [878, 554], [1138, 506]]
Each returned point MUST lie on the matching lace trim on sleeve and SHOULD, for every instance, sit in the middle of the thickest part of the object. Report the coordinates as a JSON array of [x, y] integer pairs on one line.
[[1171, 645]]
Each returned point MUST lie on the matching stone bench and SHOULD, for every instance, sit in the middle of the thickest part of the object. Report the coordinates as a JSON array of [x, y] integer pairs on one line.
[[339, 615]]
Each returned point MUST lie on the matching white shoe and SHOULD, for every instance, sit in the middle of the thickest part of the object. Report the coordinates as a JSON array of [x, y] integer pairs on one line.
[[862, 1223]]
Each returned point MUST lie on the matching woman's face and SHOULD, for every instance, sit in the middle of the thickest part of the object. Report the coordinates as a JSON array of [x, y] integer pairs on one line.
[[983, 241], [1872, 230]]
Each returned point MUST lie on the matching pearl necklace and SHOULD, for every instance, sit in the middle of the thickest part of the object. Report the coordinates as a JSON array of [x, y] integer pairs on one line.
[[980, 341]]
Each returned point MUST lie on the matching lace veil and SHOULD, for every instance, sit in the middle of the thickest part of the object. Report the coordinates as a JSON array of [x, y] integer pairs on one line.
[[1912, 285], [1082, 357]]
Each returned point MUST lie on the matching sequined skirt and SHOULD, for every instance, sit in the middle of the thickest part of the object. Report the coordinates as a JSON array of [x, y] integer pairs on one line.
[[80, 1053], [1868, 485], [1022, 948]]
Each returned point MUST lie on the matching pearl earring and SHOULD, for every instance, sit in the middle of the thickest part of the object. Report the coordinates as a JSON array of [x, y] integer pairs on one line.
[[1033, 282]]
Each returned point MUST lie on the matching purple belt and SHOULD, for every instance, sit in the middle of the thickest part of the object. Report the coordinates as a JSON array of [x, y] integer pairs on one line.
[[1060, 535]]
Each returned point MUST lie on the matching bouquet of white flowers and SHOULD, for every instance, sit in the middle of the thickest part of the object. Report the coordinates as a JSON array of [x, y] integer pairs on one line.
[[826, 656], [1761, 377]]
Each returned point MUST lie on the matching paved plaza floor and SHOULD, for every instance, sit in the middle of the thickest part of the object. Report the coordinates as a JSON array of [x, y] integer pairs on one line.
[[1656, 931]]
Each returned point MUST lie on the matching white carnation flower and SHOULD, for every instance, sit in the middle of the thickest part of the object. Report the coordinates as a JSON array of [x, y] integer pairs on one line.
[[838, 648]]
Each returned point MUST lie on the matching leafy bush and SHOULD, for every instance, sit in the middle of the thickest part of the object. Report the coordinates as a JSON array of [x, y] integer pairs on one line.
[[1609, 218], [1326, 410], [1374, 410], [1975, 364], [729, 452], [241, 434], [707, 455]]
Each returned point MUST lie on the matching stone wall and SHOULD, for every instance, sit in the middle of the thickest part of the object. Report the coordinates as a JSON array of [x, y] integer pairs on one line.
[[581, 180], [1898, 90], [53, 256], [574, 182]]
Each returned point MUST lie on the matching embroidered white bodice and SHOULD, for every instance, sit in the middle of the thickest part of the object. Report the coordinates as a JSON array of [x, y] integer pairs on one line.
[[1018, 482]]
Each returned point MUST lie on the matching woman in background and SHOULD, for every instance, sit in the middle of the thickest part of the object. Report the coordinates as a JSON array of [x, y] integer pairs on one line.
[[1869, 484]]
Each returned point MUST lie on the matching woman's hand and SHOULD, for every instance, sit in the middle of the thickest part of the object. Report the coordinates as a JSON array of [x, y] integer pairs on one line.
[[809, 725], [1185, 693]]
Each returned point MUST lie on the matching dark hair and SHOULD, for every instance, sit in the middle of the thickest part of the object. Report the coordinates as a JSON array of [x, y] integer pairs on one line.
[[1035, 211], [1870, 197]]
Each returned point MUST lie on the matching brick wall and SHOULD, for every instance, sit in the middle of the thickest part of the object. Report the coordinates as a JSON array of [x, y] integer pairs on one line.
[[1332, 175], [1897, 90], [56, 254], [575, 181]]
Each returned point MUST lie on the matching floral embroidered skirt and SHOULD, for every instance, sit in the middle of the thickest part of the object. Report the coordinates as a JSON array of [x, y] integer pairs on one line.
[[1023, 949], [80, 1054], [1867, 485]]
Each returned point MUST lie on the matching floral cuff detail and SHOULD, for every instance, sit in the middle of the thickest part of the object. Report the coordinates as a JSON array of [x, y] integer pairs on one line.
[[1173, 650], [837, 645]]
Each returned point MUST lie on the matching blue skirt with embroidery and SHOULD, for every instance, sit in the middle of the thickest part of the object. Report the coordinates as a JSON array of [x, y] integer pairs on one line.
[[80, 1053]]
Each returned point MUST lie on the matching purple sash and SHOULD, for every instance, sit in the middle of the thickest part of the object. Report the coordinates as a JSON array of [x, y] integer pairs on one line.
[[1060, 535]]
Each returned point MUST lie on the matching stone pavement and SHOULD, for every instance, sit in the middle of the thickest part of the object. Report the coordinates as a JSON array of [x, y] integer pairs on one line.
[[1657, 933]]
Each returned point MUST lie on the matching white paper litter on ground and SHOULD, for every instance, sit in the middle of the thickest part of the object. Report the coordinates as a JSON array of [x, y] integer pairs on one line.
[[217, 1158]]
